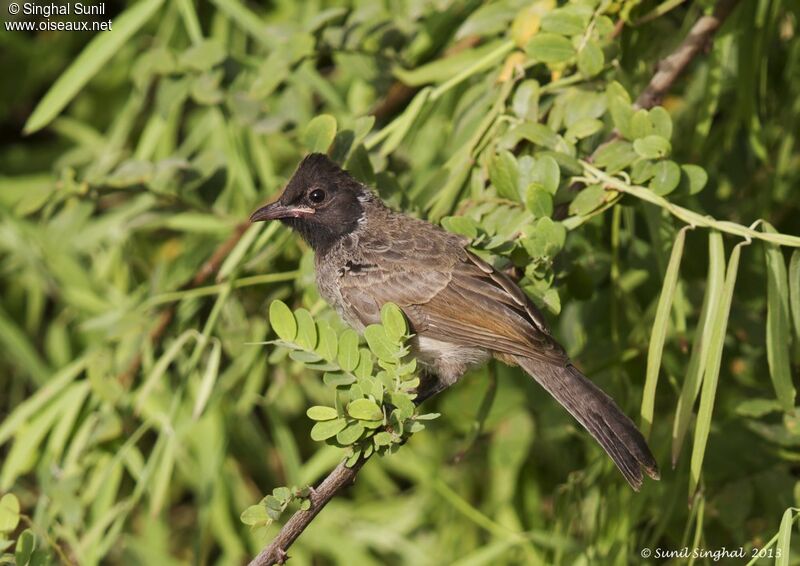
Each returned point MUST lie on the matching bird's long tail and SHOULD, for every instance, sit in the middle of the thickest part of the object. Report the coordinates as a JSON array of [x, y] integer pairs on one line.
[[599, 414]]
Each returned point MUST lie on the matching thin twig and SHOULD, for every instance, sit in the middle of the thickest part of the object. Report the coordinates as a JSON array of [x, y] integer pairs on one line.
[[673, 65], [688, 216]]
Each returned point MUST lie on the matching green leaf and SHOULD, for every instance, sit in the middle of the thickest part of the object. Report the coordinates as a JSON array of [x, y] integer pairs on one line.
[[700, 346], [444, 68], [504, 175], [209, 379], [563, 21], [203, 56], [9, 513], [545, 238], [306, 329], [380, 343], [641, 126], [324, 430], [365, 410], [462, 225], [696, 178], [537, 134], [327, 343], [711, 376], [661, 121], [360, 166], [26, 544], [255, 515], [778, 325], [550, 48], [666, 176], [319, 133], [615, 156], [305, 357], [282, 494], [348, 350], [652, 147], [620, 107], [525, 102], [321, 413], [350, 434], [591, 59], [583, 128], [338, 379], [794, 291], [383, 438], [659, 332], [394, 321], [538, 201], [547, 172], [642, 171], [282, 321], [589, 199], [364, 367], [783, 548], [92, 59]]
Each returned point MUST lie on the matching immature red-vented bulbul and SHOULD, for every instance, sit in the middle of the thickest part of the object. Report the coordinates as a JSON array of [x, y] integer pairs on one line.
[[460, 309]]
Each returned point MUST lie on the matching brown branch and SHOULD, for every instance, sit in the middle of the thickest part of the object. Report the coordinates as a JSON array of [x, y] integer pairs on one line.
[[673, 65], [339, 478]]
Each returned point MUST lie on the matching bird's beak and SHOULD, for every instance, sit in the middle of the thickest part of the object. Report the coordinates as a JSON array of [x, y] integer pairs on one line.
[[277, 210]]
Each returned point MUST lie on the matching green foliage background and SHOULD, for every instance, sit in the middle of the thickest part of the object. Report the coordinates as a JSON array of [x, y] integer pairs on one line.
[[148, 147]]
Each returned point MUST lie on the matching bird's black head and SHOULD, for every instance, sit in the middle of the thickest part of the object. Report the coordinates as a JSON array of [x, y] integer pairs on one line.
[[321, 201]]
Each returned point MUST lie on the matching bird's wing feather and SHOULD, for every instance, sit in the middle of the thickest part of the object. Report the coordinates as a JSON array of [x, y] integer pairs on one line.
[[448, 294]]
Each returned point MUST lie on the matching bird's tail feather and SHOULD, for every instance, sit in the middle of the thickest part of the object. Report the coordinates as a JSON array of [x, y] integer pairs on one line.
[[599, 414]]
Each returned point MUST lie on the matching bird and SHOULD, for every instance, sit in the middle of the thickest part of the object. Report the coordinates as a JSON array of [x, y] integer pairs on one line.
[[461, 310]]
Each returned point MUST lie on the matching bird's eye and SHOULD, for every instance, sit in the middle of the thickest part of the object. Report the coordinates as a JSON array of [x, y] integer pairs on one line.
[[316, 196]]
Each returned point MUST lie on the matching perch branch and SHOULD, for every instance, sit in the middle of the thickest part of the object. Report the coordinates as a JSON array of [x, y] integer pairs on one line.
[[339, 478]]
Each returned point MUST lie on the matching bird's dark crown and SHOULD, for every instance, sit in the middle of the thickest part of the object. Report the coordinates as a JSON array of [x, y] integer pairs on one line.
[[321, 202]]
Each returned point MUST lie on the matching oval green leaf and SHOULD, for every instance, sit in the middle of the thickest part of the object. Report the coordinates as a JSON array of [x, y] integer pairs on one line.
[[327, 429], [321, 413], [319, 133], [282, 321], [550, 48], [666, 176]]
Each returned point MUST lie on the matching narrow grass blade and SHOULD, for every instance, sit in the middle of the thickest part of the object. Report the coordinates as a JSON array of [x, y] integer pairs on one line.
[[245, 19], [659, 333], [784, 539], [694, 371], [190, 20], [794, 292], [778, 329], [34, 404], [89, 62], [713, 362], [209, 379], [161, 366], [17, 347]]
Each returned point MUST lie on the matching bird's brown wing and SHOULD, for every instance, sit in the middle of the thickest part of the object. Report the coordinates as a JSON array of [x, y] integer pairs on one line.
[[448, 294]]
